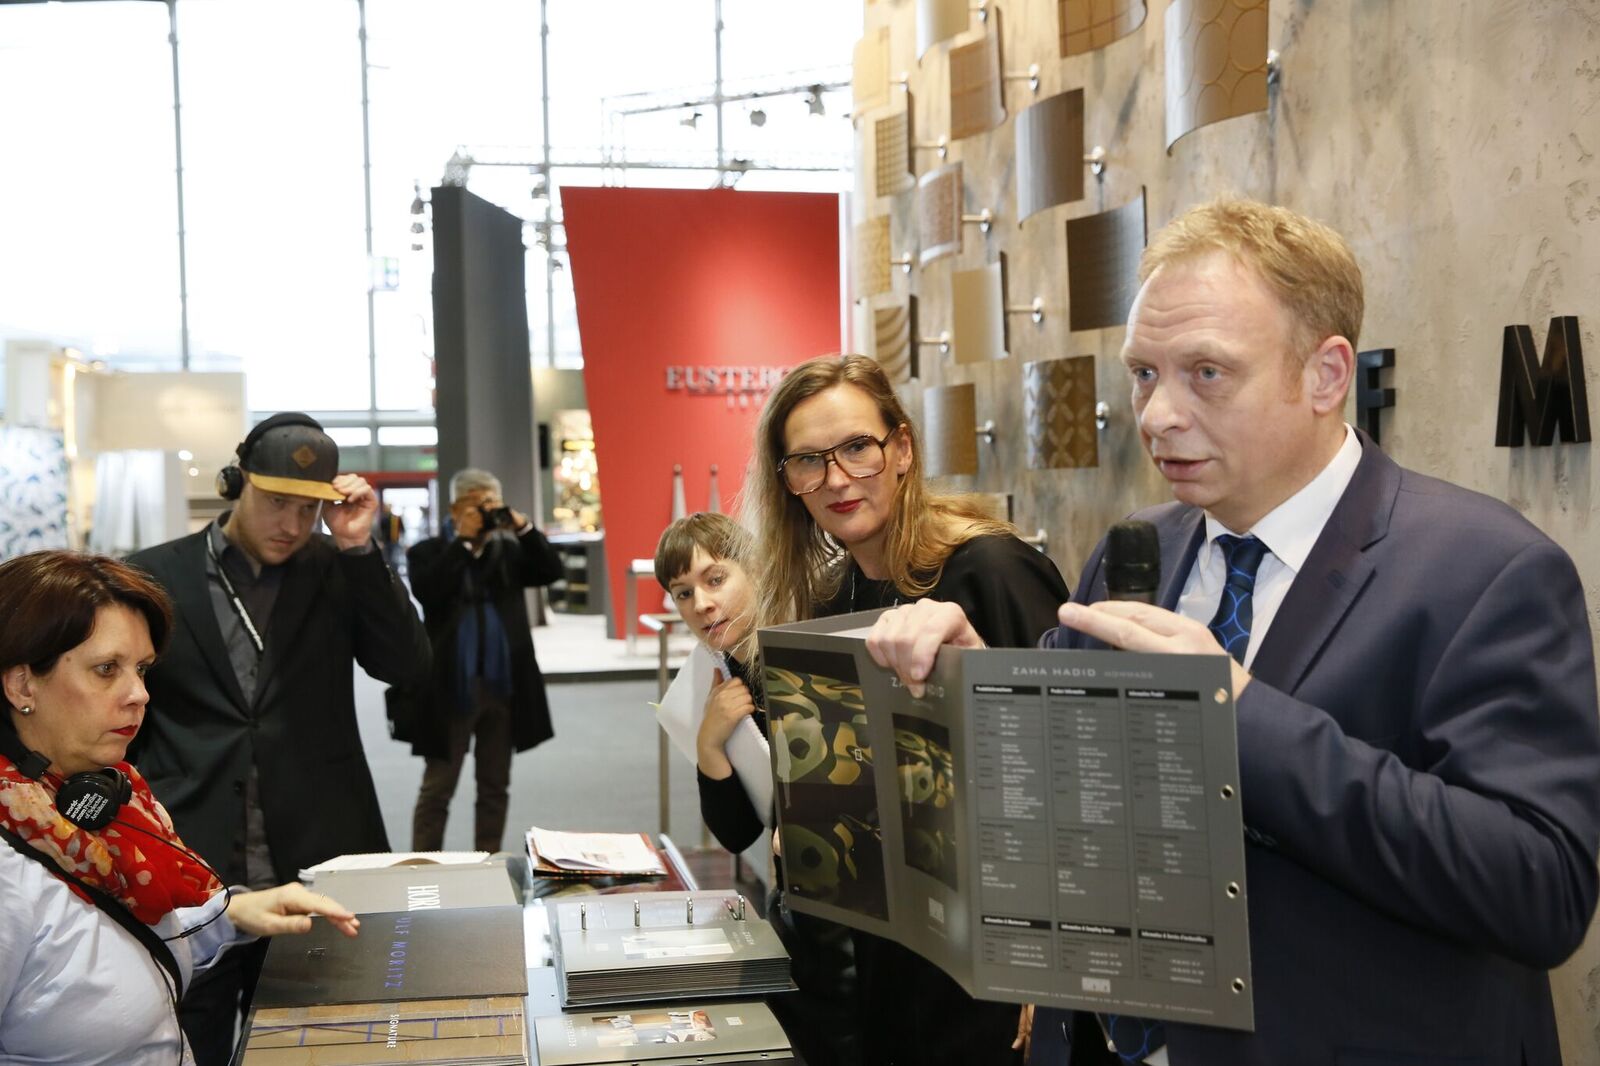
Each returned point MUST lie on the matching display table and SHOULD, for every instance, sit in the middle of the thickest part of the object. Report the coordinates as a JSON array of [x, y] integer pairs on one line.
[[524, 906]]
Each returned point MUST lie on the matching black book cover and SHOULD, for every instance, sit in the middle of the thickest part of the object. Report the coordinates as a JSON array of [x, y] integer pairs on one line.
[[399, 955]]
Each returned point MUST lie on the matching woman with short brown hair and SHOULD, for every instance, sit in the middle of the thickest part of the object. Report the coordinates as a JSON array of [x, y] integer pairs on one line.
[[107, 915]]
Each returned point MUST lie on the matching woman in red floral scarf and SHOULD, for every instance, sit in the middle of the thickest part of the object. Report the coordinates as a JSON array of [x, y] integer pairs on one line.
[[106, 915]]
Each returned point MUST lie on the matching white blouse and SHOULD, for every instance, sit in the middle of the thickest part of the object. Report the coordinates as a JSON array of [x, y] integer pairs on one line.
[[76, 987]]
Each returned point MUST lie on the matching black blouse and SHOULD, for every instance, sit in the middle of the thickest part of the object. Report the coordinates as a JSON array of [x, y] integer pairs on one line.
[[724, 804]]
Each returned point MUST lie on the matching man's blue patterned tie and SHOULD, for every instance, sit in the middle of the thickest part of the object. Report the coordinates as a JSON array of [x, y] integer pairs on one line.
[[1136, 1039], [1231, 624]]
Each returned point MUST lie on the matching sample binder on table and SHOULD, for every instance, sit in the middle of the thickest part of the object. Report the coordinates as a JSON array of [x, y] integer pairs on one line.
[[658, 946], [484, 1031], [704, 1034], [1051, 827]]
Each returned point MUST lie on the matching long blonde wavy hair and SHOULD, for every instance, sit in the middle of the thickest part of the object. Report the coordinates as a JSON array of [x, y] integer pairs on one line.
[[800, 563]]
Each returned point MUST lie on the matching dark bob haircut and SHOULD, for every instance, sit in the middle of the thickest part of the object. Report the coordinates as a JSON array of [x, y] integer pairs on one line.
[[49, 600]]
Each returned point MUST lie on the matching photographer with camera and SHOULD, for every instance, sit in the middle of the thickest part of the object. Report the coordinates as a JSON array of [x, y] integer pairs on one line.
[[486, 690]]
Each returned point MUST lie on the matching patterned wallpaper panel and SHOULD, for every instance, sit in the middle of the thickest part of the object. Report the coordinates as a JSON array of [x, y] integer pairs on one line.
[[1058, 398], [1103, 265], [33, 490], [976, 102], [1216, 62], [872, 257], [1090, 24]]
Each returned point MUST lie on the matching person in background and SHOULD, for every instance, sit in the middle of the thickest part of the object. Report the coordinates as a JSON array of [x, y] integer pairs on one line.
[[252, 740], [486, 690], [1419, 750], [107, 914], [703, 564], [846, 523]]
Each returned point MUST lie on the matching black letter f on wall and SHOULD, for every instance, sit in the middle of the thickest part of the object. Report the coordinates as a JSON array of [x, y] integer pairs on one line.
[[1542, 398]]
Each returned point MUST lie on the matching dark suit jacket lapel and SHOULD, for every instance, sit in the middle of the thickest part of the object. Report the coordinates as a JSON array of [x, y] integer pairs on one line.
[[191, 591], [302, 579], [1335, 574], [1180, 541]]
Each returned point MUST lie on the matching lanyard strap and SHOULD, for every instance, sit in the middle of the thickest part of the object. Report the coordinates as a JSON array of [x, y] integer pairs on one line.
[[111, 906], [233, 597]]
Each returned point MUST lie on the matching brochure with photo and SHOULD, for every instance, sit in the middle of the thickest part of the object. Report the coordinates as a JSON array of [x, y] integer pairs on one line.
[[726, 1034], [1048, 827], [556, 853]]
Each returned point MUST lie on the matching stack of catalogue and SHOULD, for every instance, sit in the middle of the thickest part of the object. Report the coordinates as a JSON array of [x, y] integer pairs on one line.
[[437, 975], [660, 946]]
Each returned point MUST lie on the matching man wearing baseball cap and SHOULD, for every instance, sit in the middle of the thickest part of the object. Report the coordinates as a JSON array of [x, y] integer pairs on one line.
[[251, 739]]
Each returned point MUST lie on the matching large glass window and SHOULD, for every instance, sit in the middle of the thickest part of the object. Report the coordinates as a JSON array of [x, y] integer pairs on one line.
[[272, 147], [278, 273], [89, 236], [442, 77]]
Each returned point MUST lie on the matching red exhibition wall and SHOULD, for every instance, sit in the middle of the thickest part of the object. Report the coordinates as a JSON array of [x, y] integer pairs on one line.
[[685, 297]]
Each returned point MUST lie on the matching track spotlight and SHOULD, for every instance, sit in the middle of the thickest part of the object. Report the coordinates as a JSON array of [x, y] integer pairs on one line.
[[814, 101], [758, 117], [691, 121]]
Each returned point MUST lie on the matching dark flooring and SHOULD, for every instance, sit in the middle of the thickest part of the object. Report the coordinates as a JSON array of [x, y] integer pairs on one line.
[[600, 773]]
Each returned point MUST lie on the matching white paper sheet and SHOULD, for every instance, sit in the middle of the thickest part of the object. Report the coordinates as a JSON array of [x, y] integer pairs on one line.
[[684, 706]]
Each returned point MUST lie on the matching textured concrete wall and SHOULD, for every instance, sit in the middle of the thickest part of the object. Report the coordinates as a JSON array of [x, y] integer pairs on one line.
[[1455, 145]]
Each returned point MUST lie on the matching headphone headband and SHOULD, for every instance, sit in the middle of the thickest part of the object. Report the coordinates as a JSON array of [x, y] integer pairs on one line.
[[230, 479], [283, 418], [31, 763]]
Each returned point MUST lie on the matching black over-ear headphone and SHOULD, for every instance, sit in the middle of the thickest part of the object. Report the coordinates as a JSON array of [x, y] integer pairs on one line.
[[230, 479], [89, 800]]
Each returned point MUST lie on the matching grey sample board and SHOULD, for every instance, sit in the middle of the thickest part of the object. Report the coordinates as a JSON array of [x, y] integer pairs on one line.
[[1051, 827], [424, 954], [654, 946]]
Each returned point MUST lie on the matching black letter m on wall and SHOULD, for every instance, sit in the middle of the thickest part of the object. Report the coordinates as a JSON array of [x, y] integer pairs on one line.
[[1542, 398]]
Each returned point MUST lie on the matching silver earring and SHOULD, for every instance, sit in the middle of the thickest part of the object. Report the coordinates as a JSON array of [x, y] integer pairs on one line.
[[26, 710]]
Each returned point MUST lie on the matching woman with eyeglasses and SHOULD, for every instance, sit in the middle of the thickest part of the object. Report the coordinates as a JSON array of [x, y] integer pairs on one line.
[[846, 523]]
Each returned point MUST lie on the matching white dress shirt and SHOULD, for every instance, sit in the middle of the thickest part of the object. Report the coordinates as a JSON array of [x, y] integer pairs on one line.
[[77, 988], [1290, 530]]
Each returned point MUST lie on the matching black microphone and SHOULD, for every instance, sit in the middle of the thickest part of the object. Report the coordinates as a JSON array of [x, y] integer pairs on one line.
[[1133, 562]]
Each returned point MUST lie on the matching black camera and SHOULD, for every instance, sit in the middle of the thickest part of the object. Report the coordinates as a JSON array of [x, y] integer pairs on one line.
[[497, 518]]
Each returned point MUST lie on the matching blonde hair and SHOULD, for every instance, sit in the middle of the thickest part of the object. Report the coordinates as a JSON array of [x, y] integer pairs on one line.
[[800, 562], [1307, 265]]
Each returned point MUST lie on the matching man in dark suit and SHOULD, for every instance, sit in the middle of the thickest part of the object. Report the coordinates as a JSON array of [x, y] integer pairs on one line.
[[251, 740], [1412, 662], [487, 691]]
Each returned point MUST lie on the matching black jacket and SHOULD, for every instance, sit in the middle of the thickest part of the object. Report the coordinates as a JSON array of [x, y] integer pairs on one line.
[[200, 737], [509, 565]]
